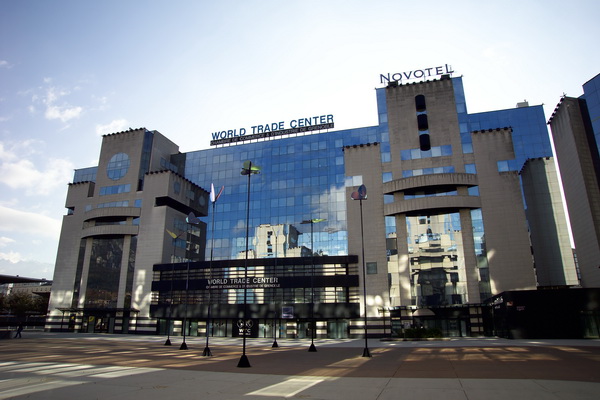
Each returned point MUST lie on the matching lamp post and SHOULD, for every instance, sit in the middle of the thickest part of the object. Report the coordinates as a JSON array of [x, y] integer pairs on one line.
[[174, 237], [191, 220], [213, 199], [312, 347], [360, 195], [248, 169], [275, 320]]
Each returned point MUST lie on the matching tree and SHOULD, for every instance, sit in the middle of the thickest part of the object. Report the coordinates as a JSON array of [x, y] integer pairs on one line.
[[20, 304]]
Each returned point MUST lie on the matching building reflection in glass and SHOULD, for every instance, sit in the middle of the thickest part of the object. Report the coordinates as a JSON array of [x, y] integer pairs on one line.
[[436, 257]]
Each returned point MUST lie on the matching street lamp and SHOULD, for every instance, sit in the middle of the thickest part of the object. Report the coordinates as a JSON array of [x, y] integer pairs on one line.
[[360, 195], [247, 169], [191, 219], [174, 237], [276, 319], [312, 347], [213, 199]]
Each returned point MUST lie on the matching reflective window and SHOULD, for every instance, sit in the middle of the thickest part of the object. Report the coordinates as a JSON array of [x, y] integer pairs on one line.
[[503, 166], [303, 179], [416, 194], [116, 189], [427, 171], [417, 154], [104, 273], [529, 131], [354, 180], [118, 166], [85, 175], [124, 203], [485, 290], [371, 268], [436, 256]]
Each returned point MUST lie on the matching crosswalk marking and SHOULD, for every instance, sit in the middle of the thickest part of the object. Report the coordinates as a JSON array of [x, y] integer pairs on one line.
[[42, 376], [288, 388], [33, 388]]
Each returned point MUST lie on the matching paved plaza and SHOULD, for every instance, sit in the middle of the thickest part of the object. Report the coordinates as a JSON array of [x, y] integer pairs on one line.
[[90, 366]]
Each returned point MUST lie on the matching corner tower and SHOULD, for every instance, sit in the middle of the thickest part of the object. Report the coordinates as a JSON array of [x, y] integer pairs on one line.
[[115, 231]]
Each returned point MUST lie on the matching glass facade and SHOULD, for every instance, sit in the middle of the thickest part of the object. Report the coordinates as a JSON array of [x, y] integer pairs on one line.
[[118, 166], [591, 90], [437, 266], [104, 273], [85, 175], [530, 134], [301, 178], [485, 290]]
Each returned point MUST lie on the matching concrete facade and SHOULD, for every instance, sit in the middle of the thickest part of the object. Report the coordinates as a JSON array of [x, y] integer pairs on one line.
[[114, 234], [555, 264], [579, 164], [443, 227]]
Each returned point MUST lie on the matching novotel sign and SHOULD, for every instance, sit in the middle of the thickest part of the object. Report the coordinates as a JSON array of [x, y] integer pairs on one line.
[[273, 129], [415, 74]]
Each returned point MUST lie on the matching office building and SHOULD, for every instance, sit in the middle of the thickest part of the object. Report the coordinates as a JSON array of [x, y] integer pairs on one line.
[[442, 228], [575, 125]]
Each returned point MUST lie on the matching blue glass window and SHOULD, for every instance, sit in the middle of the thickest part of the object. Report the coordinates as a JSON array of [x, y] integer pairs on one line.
[[85, 175], [124, 203], [427, 171], [118, 166], [435, 151], [116, 189], [503, 166], [470, 169]]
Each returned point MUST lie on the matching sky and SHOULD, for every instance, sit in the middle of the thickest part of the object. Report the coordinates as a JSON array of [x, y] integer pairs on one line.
[[71, 71]]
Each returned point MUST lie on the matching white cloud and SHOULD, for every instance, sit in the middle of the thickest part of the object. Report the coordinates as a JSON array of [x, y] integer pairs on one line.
[[11, 151], [64, 113], [11, 257], [26, 268], [55, 108], [23, 174], [30, 223], [5, 64], [6, 155], [116, 125], [18, 171], [5, 240]]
